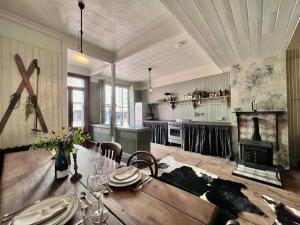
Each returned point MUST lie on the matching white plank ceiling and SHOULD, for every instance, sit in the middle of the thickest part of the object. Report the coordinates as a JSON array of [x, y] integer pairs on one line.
[[107, 23], [142, 33], [165, 59], [234, 31]]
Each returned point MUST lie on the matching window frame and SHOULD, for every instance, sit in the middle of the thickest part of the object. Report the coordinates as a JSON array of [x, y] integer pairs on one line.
[[86, 90], [110, 106]]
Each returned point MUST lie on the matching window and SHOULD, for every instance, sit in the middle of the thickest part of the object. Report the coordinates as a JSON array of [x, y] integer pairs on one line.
[[122, 112], [76, 98]]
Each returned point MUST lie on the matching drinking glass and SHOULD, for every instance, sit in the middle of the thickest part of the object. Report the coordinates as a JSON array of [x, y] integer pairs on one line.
[[88, 214], [96, 184], [94, 156]]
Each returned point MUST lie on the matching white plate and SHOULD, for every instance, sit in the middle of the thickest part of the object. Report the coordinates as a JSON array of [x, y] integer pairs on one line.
[[62, 217], [113, 184], [128, 180]]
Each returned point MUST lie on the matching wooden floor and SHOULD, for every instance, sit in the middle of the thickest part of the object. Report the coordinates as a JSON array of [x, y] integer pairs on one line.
[[290, 195]]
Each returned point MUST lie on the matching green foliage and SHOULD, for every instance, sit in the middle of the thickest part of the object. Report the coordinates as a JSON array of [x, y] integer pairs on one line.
[[29, 108], [69, 137]]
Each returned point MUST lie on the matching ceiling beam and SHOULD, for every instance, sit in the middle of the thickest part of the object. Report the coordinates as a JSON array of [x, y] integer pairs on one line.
[[162, 29], [70, 42]]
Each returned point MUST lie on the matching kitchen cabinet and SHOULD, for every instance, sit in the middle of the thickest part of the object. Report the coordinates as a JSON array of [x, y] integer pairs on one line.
[[208, 138], [131, 139], [159, 131]]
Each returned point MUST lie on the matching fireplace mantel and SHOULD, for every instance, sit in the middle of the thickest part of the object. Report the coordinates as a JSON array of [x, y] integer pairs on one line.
[[260, 112], [249, 113]]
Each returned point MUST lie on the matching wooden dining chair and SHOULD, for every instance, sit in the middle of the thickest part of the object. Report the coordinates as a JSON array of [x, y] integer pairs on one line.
[[112, 150], [91, 144], [144, 158]]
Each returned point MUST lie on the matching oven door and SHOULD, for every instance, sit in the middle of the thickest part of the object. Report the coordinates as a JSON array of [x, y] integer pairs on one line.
[[175, 134]]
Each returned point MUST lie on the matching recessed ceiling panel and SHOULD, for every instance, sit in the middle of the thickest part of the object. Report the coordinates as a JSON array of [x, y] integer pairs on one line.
[[177, 54], [106, 23]]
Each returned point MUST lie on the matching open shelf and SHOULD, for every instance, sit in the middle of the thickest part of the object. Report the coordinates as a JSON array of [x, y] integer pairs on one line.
[[196, 102]]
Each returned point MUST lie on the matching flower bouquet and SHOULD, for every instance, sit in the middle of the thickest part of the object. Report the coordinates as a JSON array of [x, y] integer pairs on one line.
[[68, 137]]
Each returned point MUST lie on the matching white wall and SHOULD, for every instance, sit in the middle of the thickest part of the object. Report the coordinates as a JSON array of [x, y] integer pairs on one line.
[[52, 95], [32, 41], [208, 110]]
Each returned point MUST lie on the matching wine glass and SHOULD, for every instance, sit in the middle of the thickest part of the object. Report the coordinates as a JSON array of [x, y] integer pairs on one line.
[[94, 157], [96, 184]]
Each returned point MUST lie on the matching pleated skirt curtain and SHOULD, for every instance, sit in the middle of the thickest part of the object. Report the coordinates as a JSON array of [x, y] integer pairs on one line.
[[208, 140], [159, 132]]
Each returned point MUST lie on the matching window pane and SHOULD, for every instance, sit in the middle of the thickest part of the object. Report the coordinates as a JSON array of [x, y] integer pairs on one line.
[[78, 108], [121, 105], [107, 95], [107, 114], [75, 82]]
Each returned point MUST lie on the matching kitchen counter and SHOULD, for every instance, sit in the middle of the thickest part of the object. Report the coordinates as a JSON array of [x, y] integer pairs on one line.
[[128, 128], [157, 121], [192, 122], [131, 138], [208, 123]]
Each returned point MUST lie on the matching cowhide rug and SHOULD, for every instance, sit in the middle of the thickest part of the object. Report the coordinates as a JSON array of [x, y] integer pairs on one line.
[[225, 194], [285, 215]]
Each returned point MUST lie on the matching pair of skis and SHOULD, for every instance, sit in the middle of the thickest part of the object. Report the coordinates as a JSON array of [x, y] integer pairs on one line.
[[25, 83]]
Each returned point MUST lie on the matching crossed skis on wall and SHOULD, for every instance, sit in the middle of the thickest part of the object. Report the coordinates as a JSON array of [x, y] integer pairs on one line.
[[17, 95]]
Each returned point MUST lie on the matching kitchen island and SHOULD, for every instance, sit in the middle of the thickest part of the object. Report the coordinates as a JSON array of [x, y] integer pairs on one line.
[[131, 138]]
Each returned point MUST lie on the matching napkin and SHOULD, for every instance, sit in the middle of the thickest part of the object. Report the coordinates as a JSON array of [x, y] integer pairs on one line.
[[124, 173], [41, 215]]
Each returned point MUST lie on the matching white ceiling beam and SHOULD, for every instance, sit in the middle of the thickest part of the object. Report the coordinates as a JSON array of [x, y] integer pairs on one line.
[[69, 41], [162, 29]]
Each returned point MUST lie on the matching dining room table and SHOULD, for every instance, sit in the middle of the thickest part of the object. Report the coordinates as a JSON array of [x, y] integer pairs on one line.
[[29, 176]]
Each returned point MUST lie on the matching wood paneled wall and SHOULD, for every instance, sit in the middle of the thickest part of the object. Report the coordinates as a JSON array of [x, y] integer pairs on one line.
[[52, 93], [210, 110], [293, 81]]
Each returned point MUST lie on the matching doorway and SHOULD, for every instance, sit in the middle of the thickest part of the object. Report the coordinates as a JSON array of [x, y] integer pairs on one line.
[[78, 103]]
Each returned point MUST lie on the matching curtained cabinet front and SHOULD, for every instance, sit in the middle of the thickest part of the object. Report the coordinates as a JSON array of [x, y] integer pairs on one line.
[[208, 139]]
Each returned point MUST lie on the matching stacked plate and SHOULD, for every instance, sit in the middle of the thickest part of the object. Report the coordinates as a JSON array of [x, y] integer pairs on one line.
[[51, 211], [124, 176]]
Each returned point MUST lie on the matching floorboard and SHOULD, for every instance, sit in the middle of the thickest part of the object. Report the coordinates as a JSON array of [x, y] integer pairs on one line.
[[289, 194]]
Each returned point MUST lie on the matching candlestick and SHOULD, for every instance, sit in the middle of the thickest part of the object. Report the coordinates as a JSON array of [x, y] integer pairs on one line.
[[76, 175]]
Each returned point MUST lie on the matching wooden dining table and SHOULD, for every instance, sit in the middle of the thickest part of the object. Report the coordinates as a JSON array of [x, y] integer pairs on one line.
[[29, 176]]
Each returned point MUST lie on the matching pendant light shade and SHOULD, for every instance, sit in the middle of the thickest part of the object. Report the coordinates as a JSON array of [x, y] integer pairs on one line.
[[150, 88], [80, 57]]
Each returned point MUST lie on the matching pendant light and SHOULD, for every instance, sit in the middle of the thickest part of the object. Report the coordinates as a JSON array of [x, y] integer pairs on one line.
[[150, 88], [80, 57]]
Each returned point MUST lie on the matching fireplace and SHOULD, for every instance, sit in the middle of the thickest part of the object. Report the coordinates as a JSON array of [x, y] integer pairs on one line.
[[256, 154]]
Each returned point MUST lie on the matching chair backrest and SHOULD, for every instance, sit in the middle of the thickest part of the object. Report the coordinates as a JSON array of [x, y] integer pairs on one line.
[[112, 150], [91, 144], [144, 158]]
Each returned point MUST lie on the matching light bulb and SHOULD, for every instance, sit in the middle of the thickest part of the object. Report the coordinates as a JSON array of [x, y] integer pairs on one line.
[[150, 89]]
